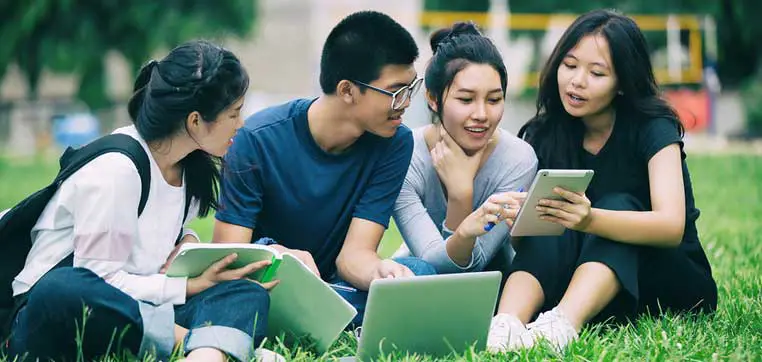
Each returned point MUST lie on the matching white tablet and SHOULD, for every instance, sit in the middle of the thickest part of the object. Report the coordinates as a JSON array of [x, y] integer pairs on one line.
[[528, 222]]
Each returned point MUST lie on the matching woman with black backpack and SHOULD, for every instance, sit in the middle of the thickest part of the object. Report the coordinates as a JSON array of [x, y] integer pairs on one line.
[[93, 281]]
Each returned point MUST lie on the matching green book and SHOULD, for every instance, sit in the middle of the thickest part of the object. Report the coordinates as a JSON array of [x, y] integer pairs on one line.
[[301, 305]]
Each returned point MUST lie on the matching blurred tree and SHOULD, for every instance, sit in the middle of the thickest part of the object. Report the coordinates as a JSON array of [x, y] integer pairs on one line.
[[751, 93], [739, 36], [456, 5], [71, 36]]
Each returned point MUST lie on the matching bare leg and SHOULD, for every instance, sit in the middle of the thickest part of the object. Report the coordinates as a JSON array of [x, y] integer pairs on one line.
[[522, 296], [592, 287], [180, 333]]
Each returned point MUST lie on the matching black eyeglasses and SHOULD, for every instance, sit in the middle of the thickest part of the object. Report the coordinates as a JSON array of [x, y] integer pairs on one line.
[[400, 96]]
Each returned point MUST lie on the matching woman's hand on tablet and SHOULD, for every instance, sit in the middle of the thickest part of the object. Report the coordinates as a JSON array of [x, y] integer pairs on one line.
[[219, 272], [388, 268], [188, 238], [573, 212]]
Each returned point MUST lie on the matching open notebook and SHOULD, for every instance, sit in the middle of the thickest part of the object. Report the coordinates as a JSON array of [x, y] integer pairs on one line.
[[302, 304]]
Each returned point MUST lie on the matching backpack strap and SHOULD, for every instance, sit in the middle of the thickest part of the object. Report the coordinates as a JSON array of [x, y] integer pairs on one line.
[[73, 159], [188, 198], [18, 221]]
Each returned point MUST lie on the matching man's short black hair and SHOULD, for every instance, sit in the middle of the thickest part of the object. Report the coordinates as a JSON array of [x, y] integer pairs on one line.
[[361, 45]]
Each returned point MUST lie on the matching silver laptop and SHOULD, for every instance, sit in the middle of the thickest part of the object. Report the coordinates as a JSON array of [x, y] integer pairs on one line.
[[434, 315]]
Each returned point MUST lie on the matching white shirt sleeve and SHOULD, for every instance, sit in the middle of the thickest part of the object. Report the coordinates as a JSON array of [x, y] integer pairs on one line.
[[103, 199]]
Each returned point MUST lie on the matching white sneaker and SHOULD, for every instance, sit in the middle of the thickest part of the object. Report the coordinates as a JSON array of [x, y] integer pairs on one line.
[[506, 333], [554, 327], [266, 355]]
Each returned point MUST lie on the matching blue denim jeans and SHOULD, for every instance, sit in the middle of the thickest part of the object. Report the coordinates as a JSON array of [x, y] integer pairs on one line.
[[51, 322], [358, 298]]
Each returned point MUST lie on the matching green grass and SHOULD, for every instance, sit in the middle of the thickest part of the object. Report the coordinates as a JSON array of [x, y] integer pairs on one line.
[[728, 191]]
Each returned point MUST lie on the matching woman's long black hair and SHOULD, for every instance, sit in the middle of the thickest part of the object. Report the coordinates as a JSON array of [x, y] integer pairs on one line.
[[557, 136], [196, 76]]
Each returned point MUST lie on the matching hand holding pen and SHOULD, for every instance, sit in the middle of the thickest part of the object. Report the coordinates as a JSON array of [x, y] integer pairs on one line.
[[510, 207], [503, 206]]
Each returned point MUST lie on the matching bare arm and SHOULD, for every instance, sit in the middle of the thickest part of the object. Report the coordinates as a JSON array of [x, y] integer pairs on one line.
[[419, 230], [463, 248], [459, 248], [662, 227], [458, 207], [469, 247], [230, 233], [358, 262]]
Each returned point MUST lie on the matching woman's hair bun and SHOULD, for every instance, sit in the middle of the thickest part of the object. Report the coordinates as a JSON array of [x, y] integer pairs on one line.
[[444, 34]]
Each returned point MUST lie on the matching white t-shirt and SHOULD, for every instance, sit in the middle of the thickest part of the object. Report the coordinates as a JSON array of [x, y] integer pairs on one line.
[[94, 214]]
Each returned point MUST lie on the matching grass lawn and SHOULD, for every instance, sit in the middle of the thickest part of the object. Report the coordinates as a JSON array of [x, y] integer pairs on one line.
[[728, 191]]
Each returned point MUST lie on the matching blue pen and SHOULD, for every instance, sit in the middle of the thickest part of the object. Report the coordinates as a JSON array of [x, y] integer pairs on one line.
[[491, 224]]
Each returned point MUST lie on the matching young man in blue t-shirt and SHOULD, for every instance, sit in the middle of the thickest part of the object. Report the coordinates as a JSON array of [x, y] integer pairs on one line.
[[320, 176]]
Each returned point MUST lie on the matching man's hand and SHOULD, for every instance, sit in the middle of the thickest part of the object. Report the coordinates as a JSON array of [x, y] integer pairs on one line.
[[302, 255], [388, 268]]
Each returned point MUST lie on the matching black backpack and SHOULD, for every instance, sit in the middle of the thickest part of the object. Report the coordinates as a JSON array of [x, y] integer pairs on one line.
[[17, 223]]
